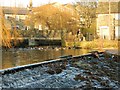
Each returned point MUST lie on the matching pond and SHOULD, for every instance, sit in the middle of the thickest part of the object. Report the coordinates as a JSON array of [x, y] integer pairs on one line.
[[22, 56]]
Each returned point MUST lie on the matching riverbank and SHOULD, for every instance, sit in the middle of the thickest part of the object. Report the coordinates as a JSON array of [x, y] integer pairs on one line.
[[96, 44]]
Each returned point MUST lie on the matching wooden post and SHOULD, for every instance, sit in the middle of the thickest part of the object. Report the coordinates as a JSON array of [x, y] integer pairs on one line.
[[111, 34]]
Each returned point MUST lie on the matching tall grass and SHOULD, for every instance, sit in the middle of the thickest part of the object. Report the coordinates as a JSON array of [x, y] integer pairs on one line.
[[98, 44]]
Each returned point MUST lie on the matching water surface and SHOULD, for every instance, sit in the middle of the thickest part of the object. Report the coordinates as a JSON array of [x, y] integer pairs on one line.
[[13, 58]]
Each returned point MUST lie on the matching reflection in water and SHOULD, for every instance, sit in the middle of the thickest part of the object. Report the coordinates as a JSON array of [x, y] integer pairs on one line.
[[22, 57]]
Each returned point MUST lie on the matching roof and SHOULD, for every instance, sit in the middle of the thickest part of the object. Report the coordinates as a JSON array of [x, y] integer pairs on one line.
[[103, 7], [15, 10]]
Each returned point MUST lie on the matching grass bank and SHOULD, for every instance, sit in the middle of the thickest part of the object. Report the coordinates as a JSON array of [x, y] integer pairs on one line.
[[96, 44]]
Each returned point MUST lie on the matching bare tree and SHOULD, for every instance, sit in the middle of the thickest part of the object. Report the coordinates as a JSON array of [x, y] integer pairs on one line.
[[53, 18], [87, 12], [87, 16]]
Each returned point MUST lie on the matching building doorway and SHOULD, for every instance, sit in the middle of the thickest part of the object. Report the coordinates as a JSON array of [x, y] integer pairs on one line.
[[104, 32]]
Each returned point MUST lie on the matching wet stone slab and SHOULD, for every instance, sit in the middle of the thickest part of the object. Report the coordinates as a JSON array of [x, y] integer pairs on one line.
[[84, 73]]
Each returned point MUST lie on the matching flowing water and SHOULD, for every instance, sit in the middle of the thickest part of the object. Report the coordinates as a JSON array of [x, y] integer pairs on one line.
[[17, 57]]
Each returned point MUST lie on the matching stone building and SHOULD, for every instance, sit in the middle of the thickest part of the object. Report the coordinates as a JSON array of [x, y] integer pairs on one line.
[[108, 20]]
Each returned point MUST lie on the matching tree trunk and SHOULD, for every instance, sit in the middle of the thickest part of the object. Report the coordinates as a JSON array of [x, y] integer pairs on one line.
[[0, 37]]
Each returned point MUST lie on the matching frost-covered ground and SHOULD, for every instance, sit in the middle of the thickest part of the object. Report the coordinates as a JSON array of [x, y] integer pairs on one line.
[[83, 73]]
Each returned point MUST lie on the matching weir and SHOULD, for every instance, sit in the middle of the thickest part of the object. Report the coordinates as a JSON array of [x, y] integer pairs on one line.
[[61, 59], [65, 72]]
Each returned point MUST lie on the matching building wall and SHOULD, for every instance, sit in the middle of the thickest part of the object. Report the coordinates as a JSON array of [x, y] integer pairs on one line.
[[38, 26], [18, 17], [107, 25]]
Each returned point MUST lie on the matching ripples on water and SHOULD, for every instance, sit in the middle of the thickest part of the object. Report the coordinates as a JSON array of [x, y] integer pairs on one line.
[[13, 57]]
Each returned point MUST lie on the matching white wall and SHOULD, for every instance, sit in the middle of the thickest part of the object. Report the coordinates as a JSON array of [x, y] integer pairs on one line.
[[117, 32], [23, 17], [117, 16]]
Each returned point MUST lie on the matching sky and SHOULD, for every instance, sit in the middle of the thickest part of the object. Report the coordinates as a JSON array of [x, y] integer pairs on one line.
[[35, 2], [24, 3]]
